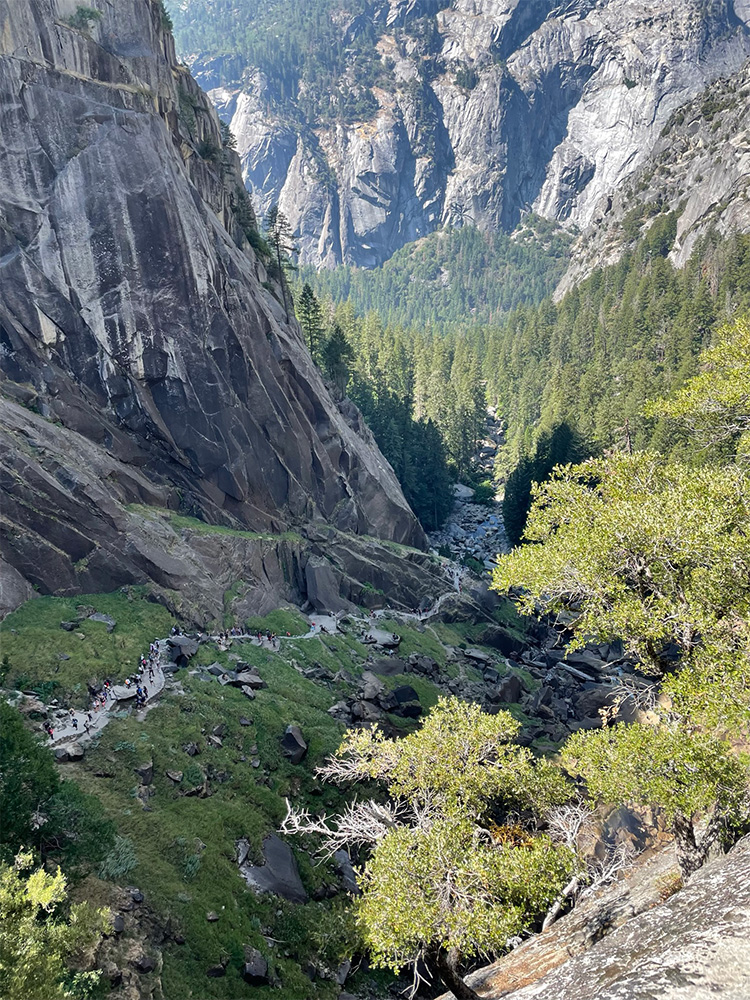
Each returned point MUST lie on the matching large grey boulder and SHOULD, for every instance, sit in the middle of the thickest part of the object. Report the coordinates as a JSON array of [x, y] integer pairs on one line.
[[255, 968], [293, 744], [279, 873], [379, 637]]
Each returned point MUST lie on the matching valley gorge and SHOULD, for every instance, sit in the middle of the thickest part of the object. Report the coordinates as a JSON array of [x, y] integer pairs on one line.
[[501, 108], [374, 499]]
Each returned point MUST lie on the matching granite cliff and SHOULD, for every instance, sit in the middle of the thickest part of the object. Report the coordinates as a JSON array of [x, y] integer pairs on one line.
[[481, 111], [146, 358]]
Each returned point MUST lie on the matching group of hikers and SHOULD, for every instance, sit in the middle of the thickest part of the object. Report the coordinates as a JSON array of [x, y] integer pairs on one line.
[[99, 700]]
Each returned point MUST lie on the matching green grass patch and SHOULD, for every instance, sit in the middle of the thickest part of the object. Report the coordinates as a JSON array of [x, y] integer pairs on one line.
[[280, 621], [414, 641], [36, 646], [185, 845]]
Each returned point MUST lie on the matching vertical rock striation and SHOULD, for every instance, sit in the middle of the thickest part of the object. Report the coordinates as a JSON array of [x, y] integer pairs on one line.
[[135, 316], [527, 104]]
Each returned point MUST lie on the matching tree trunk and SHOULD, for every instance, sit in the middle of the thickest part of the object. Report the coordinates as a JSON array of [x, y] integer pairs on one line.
[[446, 964], [691, 853]]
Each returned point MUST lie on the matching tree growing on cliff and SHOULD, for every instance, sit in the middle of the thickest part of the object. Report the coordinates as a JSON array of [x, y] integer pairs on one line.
[[280, 240], [336, 357], [451, 873], [311, 319], [699, 782]]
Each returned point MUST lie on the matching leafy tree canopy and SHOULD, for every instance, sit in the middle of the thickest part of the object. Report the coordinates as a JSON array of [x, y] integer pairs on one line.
[[39, 935], [450, 875]]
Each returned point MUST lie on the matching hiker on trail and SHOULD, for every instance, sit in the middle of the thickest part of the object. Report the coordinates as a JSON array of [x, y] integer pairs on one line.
[[145, 692], [75, 723]]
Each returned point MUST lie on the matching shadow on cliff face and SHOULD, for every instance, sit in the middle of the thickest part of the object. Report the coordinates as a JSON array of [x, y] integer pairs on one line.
[[140, 326]]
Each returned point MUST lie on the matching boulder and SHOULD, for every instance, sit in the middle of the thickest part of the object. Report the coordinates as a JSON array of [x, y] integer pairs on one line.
[[108, 620], [69, 626], [145, 772], [144, 963], [175, 776], [421, 664], [405, 693], [293, 744], [118, 923], [279, 874], [379, 637], [346, 871], [123, 692], [501, 639], [594, 697], [220, 729], [388, 666], [181, 648], [322, 586], [191, 749], [372, 686], [366, 711], [244, 721], [249, 678], [342, 972], [212, 916], [411, 711], [216, 971], [248, 691], [478, 656], [61, 755], [255, 968], [509, 689]]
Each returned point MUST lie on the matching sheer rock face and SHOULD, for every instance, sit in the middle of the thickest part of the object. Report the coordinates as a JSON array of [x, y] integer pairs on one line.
[[137, 320], [567, 102], [699, 168], [694, 946]]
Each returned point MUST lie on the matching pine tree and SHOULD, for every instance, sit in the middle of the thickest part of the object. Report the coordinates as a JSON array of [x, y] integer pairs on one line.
[[311, 319], [336, 357], [279, 238]]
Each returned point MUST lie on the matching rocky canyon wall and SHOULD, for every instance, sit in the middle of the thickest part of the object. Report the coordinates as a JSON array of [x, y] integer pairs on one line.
[[146, 357], [524, 105]]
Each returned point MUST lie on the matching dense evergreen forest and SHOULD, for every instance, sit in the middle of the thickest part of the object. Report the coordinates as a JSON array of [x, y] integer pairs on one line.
[[629, 333], [453, 276], [313, 68]]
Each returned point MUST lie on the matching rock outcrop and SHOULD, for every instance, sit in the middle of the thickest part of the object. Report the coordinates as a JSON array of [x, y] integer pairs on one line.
[[146, 357], [699, 169], [517, 105], [691, 947]]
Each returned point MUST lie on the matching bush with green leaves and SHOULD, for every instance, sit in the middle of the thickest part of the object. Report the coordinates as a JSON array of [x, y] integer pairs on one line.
[[120, 861], [84, 17], [41, 812], [697, 780]]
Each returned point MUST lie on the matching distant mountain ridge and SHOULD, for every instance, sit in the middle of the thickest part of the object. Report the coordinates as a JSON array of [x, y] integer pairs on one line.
[[411, 114]]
